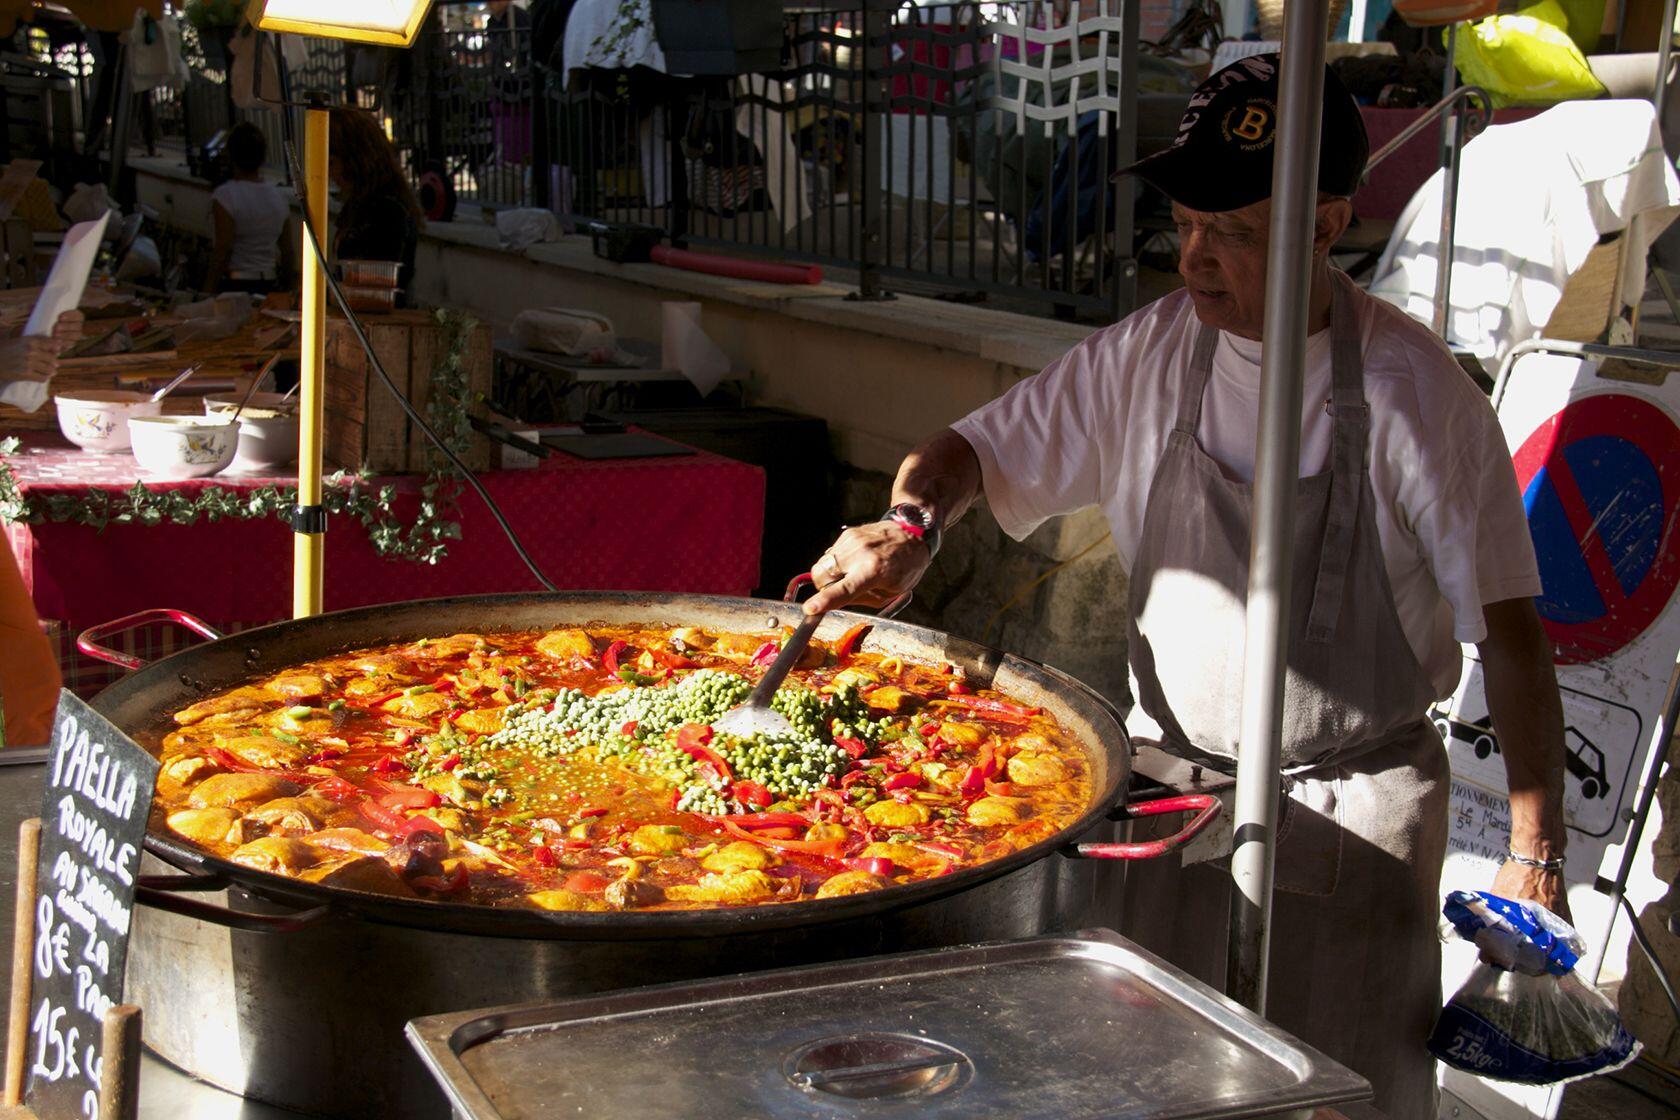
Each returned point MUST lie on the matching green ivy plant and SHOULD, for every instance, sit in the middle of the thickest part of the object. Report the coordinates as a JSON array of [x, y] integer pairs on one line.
[[425, 540]]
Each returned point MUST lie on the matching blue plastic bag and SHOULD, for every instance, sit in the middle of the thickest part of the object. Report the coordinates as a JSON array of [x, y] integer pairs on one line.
[[1523, 1015]]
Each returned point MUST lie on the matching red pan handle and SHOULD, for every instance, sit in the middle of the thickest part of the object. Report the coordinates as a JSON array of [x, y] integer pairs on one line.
[[91, 640], [1206, 806]]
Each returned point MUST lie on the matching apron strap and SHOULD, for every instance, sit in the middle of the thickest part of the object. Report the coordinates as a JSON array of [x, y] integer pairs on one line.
[[1350, 429], [1190, 392]]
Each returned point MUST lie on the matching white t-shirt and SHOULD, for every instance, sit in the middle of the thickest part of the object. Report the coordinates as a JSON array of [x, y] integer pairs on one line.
[[1090, 429], [259, 212]]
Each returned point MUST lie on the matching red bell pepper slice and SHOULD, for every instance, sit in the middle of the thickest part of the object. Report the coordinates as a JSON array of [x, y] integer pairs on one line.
[[766, 653], [336, 788], [851, 778], [585, 882], [449, 762], [753, 793], [411, 797], [586, 814], [906, 780], [420, 824], [959, 688], [875, 865], [1001, 710], [973, 782], [544, 857], [829, 848], [672, 660], [610, 658], [851, 639], [456, 882], [766, 820], [855, 748], [384, 816], [628, 729], [325, 754], [692, 739], [1000, 789], [389, 764]]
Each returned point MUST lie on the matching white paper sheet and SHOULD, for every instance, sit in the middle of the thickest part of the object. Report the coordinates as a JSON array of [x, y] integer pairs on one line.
[[685, 348], [63, 290]]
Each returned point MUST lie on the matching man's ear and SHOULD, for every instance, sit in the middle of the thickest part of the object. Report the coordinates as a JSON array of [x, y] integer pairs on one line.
[[1331, 220]]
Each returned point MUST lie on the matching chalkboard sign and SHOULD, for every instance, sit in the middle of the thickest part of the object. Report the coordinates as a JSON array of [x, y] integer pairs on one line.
[[93, 819]]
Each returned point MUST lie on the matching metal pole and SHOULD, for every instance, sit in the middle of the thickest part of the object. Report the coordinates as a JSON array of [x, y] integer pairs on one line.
[[308, 521], [1665, 49], [1449, 189], [1276, 468]]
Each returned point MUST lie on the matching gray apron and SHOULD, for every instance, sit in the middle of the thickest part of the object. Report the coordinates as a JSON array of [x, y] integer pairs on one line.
[[1355, 959]]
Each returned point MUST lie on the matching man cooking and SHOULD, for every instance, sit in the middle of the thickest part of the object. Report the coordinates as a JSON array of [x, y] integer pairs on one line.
[[1410, 538]]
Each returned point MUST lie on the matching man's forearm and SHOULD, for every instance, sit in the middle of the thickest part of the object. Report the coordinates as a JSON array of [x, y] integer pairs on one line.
[[1527, 715], [942, 475]]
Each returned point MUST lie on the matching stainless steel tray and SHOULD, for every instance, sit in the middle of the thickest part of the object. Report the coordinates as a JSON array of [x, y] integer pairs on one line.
[[1086, 1025]]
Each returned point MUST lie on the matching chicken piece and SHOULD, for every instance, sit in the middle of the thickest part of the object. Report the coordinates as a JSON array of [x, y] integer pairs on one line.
[[995, 811], [632, 894], [238, 700], [742, 855], [363, 688], [563, 645], [418, 705], [741, 645], [961, 733], [301, 719], [907, 856], [727, 886], [452, 646], [565, 900], [897, 814], [857, 678], [851, 882], [658, 840], [383, 665], [349, 840], [891, 698], [278, 855], [368, 874], [239, 790], [189, 769], [298, 686], [1030, 768], [418, 853], [826, 830], [692, 637], [452, 820], [299, 814], [482, 721], [452, 788], [207, 826], [265, 750]]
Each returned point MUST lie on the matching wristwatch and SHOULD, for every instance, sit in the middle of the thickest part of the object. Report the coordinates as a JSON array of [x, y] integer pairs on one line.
[[918, 522]]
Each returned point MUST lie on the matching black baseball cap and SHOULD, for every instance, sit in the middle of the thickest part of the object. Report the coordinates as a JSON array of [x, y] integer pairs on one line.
[[1222, 157]]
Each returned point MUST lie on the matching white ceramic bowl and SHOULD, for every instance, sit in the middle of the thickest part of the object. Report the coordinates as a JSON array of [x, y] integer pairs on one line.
[[97, 419], [268, 429], [177, 447]]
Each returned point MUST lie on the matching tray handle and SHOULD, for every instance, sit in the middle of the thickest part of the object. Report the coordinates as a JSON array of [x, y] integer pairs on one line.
[[161, 892], [91, 641], [1205, 806]]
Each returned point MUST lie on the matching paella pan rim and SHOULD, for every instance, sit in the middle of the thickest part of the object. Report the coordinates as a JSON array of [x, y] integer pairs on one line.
[[148, 694]]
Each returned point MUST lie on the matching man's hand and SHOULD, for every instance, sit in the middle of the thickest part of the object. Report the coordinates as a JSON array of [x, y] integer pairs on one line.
[[871, 564], [1533, 884]]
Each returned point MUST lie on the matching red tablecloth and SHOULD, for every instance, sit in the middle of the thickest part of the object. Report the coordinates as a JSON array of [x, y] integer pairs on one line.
[[664, 524]]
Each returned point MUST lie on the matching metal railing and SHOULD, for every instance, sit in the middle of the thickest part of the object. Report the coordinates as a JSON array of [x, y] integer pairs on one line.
[[962, 149]]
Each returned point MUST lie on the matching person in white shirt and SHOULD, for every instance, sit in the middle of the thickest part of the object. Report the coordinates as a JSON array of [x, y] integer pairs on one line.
[[249, 217], [1410, 539]]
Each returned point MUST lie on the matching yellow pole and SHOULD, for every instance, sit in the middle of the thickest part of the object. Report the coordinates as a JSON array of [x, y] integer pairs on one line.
[[309, 521]]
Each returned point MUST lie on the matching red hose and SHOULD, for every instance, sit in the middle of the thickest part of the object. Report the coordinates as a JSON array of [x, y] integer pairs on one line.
[[738, 269]]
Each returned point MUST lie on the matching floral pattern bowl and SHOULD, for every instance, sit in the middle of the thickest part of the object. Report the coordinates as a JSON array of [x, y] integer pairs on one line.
[[268, 429], [97, 419], [177, 447]]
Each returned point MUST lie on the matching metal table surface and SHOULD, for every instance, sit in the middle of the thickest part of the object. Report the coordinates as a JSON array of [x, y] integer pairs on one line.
[[165, 1092]]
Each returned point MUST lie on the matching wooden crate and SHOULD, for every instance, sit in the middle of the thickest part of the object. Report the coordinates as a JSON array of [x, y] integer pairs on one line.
[[366, 427]]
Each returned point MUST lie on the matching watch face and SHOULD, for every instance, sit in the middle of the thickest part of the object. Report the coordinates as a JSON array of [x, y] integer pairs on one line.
[[916, 515]]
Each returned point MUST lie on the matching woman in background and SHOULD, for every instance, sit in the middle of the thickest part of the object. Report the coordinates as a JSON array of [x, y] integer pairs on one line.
[[379, 218], [250, 217]]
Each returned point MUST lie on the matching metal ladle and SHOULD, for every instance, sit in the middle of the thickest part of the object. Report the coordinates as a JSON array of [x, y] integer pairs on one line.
[[754, 717]]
